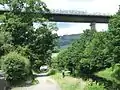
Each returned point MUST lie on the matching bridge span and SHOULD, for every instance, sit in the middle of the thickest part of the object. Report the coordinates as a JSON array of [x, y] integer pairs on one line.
[[75, 16], [78, 16]]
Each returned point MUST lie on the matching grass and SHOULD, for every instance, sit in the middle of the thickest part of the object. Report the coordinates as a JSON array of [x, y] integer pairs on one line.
[[107, 75], [94, 86], [69, 83]]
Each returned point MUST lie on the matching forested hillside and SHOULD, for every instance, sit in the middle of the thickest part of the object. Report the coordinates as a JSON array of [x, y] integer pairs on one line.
[[66, 40]]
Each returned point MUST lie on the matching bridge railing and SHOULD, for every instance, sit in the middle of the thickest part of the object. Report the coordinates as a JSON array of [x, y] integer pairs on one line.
[[70, 12], [76, 12]]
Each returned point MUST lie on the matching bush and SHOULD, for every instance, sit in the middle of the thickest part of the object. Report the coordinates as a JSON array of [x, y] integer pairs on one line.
[[6, 48], [52, 72], [94, 86], [16, 67], [116, 72], [36, 66]]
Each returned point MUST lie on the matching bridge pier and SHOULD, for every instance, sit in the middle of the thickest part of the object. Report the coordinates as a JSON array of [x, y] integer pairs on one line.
[[119, 9], [93, 25]]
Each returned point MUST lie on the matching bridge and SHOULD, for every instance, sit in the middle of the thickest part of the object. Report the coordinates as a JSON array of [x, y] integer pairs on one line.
[[79, 16], [76, 16]]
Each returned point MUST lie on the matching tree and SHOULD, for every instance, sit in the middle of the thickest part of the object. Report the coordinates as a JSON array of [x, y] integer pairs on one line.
[[5, 42], [71, 57], [16, 67], [114, 41], [95, 52], [43, 45], [19, 23]]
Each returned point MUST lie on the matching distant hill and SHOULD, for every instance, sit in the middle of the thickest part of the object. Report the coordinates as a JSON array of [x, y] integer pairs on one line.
[[66, 40]]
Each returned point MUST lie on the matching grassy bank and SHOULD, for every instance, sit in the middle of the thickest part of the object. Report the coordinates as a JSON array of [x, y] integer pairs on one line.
[[69, 83], [107, 74]]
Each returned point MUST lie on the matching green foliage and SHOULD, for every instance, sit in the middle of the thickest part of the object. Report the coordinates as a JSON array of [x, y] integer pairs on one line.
[[65, 40], [36, 44], [112, 50], [5, 37], [116, 72], [27, 5], [16, 67], [52, 71], [42, 46], [106, 73], [94, 86], [77, 58], [114, 40], [110, 74], [23, 50], [36, 66], [5, 42], [54, 63], [95, 52], [87, 55], [69, 83], [17, 33]]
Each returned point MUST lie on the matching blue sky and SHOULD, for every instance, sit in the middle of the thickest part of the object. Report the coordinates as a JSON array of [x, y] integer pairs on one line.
[[91, 6]]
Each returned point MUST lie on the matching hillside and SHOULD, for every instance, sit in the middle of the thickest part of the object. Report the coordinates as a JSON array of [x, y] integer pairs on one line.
[[66, 40]]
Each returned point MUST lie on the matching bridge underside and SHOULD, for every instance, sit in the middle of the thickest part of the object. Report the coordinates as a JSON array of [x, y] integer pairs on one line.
[[92, 19], [79, 18], [75, 18]]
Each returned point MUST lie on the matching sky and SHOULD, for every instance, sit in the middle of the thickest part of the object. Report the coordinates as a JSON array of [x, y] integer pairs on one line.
[[91, 6]]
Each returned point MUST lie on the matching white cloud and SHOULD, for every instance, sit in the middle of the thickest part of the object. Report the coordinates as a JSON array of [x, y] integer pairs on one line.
[[102, 6]]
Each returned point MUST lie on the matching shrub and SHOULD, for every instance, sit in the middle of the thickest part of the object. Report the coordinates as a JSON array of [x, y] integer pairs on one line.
[[94, 86], [52, 72], [85, 66], [6, 48], [36, 66], [16, 67], [116, 72]]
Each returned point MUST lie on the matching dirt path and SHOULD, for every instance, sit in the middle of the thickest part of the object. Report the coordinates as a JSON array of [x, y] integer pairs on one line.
[[45, 83]]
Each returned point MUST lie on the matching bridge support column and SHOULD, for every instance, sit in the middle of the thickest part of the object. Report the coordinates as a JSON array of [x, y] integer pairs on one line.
[[119, 9], [93, 26]]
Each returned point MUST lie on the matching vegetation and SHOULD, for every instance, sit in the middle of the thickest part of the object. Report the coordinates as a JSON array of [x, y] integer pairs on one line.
[[79, 57], [5, 43], [52, 72], [116, 72], [24, 49], [21, 42], [111, 74], [93, 52], [65, 40], [105, 73], [16, 67], [94, 86], [69, 83]]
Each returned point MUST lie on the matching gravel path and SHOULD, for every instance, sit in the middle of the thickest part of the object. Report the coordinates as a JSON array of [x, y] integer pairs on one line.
[[45, 83]]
